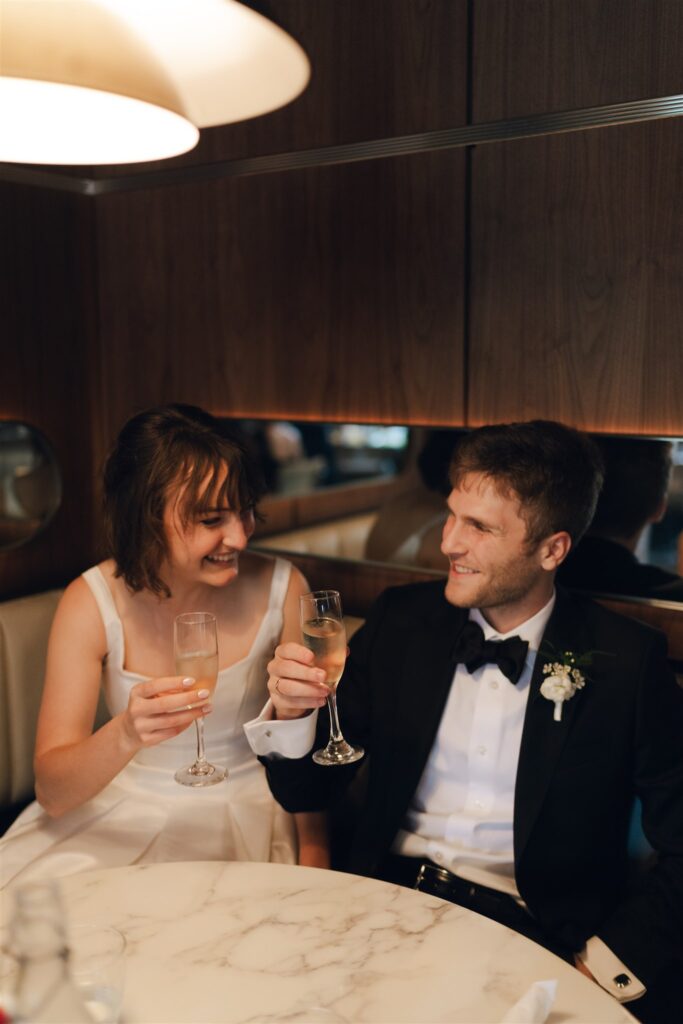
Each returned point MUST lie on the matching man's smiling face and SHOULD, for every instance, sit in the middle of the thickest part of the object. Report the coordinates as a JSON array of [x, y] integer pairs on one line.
[[492, 564]]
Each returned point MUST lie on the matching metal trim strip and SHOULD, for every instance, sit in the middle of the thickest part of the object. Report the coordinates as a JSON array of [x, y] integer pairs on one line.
[[374, 149]]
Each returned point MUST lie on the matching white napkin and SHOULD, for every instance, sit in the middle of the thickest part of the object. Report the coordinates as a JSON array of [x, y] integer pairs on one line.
[[534, 1006]]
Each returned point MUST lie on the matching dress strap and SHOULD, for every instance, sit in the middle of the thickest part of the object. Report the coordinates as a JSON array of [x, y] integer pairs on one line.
[[279, 583], [102, 595]]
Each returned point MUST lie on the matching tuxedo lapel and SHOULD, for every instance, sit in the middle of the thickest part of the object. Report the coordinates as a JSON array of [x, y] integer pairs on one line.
[[543, 739]]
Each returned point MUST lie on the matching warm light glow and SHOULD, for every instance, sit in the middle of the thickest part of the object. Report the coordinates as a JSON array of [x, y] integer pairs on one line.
[[121, 81], [72, 125]]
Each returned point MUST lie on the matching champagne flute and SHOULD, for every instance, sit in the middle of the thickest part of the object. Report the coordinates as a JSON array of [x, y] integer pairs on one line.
[[195, 647], [322, 625]]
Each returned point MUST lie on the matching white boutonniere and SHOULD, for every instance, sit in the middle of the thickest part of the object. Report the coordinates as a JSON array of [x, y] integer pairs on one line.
[[562, 680]]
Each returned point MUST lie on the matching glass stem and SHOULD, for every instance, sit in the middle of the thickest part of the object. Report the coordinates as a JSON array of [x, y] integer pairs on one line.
[[335, 731], [201, 765]]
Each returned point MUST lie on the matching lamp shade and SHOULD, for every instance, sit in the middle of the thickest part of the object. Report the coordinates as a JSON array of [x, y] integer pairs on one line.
[[123, 81]]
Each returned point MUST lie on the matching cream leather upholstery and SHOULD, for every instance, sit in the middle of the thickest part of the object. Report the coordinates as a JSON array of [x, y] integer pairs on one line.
[[338, 538], [24, 629], [352, 623]]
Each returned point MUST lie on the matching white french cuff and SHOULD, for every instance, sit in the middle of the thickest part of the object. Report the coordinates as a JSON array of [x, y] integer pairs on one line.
[[609, 972], [271, 737]]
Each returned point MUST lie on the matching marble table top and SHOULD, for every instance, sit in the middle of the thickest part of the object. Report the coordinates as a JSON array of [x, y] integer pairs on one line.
[[265, 943]]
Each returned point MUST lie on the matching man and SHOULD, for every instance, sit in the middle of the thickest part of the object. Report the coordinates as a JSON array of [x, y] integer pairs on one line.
[[487, 793], [634, 495]]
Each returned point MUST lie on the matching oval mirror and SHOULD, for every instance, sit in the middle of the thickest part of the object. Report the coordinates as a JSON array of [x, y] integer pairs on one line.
[[30, 484]]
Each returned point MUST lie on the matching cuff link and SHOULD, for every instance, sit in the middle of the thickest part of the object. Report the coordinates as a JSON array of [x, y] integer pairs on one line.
[[622, 981]]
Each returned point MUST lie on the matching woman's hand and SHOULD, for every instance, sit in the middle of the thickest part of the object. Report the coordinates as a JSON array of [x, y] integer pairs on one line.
[[159, 709], [295, 684]]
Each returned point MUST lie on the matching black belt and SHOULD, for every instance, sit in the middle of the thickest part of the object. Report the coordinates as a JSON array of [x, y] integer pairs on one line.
[[423, 875]]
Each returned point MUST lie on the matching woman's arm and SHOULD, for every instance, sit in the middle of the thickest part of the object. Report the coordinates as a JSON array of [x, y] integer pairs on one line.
[[71, 763], [311, 826]]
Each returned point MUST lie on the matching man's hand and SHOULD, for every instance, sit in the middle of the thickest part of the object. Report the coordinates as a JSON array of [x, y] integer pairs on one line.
[[295, 684]]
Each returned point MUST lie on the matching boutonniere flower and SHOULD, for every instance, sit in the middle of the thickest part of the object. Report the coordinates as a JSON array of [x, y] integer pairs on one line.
[[562, 679], [563, 675]]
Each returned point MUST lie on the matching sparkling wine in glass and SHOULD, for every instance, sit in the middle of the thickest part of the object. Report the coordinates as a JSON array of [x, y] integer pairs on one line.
[[322, 626], [195, 647]]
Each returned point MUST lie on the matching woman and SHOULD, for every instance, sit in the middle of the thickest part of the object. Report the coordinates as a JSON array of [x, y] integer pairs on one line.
[[180, 498]]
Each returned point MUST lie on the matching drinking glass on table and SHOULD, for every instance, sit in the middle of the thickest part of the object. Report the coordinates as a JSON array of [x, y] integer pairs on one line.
[[322, 625], [195, 646]]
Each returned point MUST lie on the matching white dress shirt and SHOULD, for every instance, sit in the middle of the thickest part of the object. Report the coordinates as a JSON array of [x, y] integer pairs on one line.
[[462, 811], [461, 814]]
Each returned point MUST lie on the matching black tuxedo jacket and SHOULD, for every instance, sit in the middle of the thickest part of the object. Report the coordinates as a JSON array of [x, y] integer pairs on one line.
[[620, 738]]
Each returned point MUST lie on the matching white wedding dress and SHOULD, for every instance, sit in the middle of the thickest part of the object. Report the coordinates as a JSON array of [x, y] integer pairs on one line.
[[144, 815]]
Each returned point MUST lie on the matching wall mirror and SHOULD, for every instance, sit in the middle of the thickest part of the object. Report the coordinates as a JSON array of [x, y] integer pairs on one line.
[[30, 484], [322, 470], [300, 457]]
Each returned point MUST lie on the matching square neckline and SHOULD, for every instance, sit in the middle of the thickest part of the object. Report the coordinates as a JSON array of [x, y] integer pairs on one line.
[[278, 566]]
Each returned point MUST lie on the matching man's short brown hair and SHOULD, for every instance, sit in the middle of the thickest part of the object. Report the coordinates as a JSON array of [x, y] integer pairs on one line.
[[554, 471], [173, 446]]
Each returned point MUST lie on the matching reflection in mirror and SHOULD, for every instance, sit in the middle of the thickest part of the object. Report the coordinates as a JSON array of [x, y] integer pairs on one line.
[[631, 546], [639, 555], [30, 484], [299, 457]]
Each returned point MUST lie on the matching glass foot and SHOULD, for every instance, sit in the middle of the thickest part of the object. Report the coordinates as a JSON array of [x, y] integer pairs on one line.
[[201, 775], [340, 752]]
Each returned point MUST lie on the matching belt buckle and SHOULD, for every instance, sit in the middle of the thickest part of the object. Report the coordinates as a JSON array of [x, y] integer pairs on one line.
[[431, 874]]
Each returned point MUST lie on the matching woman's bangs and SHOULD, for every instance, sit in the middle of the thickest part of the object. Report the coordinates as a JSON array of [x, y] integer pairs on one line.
[[214, 480]]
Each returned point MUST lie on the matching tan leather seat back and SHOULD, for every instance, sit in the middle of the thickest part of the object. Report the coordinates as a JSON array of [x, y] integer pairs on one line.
[[24, 630], [338, 538]]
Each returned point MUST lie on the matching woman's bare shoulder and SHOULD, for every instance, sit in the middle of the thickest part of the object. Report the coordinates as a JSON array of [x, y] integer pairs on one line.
[[78, 615]]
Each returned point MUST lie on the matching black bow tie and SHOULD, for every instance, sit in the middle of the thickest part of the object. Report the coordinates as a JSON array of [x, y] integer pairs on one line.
[[472, 650]]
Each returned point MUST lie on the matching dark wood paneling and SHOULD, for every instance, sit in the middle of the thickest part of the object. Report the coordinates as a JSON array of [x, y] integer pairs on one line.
[[535, 56], [359, 583], [330, 294], [290, 512], [664, 615], [380, 68], [577, 280], [47, 285]]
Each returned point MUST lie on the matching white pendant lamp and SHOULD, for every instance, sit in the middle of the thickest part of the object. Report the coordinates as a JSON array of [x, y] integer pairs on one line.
[[123, 81]]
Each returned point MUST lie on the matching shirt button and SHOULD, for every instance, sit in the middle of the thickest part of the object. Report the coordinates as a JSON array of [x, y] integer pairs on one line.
[[481, 750], [268, 733], [494, 684]]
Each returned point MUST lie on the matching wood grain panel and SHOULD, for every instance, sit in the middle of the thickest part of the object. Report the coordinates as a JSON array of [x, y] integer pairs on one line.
[[47, 284], [331, 294], [359, 583], [290, 512], [577, 280], [380, 68], [535, 56]]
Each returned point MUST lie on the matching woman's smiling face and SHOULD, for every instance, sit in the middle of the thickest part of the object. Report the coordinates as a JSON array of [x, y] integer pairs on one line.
[[205, 545]]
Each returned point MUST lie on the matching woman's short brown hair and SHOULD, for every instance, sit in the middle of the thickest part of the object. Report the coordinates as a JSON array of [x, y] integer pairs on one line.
[[157, 449]]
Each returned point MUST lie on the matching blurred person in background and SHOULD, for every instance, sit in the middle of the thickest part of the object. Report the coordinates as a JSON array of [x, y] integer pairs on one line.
[[634, 496]]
